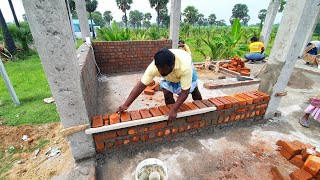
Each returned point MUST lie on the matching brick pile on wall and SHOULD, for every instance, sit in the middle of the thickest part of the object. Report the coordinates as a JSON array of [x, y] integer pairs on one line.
[[126, 56], [88, 79], [237, 107]]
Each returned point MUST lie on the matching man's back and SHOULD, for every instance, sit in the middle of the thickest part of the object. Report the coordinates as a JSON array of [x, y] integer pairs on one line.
[[256, 47]]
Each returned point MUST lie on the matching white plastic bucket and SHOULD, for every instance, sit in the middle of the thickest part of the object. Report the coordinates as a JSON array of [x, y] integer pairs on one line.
[[151, 161]]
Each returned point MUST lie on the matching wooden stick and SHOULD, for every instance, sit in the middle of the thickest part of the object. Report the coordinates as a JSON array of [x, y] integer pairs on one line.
[[265, 64], [147, 120], [71, 130]]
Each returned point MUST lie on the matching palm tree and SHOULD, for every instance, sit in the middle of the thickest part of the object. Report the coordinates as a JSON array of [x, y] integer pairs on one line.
[[124, 5], [159, 5], [7, 36], [91, 6], [108, 16]]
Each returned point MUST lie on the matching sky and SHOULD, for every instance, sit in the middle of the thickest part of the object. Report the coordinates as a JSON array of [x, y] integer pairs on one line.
[[222, 8]]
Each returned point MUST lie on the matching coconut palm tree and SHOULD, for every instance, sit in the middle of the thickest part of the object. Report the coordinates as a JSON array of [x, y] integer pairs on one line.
[[91, 6], [124, 5]]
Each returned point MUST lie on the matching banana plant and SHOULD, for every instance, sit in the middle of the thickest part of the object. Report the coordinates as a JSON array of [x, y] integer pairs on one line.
[[113, 33]]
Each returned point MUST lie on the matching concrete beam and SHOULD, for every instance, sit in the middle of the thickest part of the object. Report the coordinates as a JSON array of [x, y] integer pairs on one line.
[[310, 31], [175, 22], [268, 22], [83, 19], [52, 34], [286, 48]]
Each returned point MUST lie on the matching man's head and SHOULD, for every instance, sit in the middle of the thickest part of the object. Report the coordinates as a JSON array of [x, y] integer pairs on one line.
[[254, 39], [181, 42], [164, 60]]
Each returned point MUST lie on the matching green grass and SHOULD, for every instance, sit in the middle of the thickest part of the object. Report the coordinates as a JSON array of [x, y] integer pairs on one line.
[[31, 86], [78, 43]]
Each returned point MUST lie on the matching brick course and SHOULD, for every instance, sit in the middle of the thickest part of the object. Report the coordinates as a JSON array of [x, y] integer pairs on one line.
[[126, 56]]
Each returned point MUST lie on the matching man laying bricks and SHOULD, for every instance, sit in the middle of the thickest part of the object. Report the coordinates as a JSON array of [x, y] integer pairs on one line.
[[178, 77]]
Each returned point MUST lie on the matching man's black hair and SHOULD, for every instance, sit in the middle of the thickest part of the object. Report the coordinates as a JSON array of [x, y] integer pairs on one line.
[[254, 39], [164, 57], [181, 41]]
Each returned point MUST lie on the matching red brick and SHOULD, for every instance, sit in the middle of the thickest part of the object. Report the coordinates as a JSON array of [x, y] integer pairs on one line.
[[122, 132], [266, 97], [255, 98], [189, 126], [135, 115], [126, 141], [248, 99], [152, 135], [279, 143], [118, 142], [97, 121], [291, 148], [184, 107], [297, 161], [203, 123], [237, 117], [300, 174], [191, 106], [207, 103], [167, 132], [135, 138], [217, 103], [170, 106], [131, 131], [193, 118], [149, 91], [234, 102], [312, 165], [241, 110], [227, 104], [145, 113], [105, 136], [285, 154], [199, 104], [125, 116], [155, 112], [195, 125], [106, 119], [174, 130], [114, 118], [280, 173], [152, 83], [164, 109], [109, 144], [144, 137], [241, 101], [158, 125], [159, 133], [233, 116], [100, 145]]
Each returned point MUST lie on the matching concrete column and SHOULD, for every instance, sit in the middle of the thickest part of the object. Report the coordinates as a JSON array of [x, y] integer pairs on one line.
[[175, 22], [83, 19], [286, 48], [310, 31], [268, 22], [52, 34]]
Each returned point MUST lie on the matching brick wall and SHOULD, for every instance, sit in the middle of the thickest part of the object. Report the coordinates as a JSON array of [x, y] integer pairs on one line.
[[249, 106], [88, 78], [126, 56]]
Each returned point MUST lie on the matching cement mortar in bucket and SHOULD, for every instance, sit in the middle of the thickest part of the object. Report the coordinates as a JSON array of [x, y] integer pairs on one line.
[[151, 168]]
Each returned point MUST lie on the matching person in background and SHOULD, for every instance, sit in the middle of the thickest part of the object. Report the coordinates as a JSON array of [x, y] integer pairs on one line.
[[313, 109], [182, 45], [178, 77], [313, 48], [256, 50]]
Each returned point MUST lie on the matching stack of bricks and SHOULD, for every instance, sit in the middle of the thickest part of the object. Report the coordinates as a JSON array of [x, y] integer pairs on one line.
[[237, 107], [304, 156], [125, 56], [237, 65]]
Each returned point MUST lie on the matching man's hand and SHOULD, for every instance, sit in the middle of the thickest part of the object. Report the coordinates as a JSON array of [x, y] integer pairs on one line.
[[122, 108], [172, 115]]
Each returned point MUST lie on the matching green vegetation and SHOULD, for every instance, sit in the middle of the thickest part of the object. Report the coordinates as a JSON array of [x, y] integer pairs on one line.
[[30, 83]]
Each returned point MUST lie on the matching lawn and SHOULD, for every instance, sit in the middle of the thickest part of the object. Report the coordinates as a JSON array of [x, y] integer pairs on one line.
[[31, 86]]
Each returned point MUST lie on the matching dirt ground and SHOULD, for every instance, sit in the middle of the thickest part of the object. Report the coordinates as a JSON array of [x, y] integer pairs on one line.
[[40, 167]]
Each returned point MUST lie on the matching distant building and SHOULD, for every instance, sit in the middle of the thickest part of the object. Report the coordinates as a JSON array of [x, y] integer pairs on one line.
[[76, 27]]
